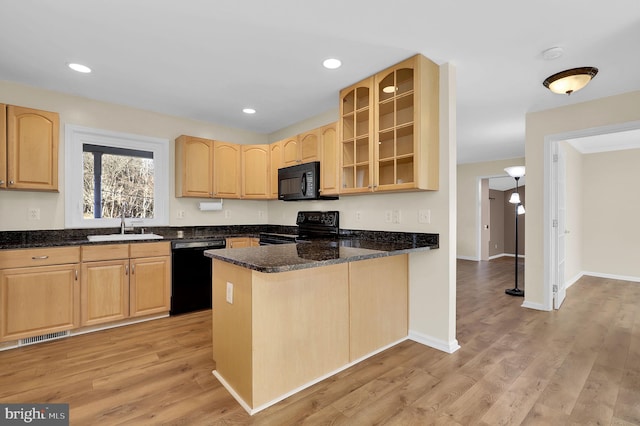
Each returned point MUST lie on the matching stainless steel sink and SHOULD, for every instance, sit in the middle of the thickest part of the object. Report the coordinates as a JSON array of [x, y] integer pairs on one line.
[[124, 237]]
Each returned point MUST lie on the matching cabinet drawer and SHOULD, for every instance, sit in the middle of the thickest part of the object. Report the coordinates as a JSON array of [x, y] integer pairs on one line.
[[105, 252], [150, 249], [38, 257]]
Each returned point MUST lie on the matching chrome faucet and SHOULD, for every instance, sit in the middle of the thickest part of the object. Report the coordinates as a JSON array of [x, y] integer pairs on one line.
[[122, 218]]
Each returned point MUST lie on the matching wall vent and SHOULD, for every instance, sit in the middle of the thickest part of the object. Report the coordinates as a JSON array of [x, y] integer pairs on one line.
[[42, 338]]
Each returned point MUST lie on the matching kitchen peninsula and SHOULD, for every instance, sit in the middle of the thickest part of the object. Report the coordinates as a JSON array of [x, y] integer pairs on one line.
[[287, 316]]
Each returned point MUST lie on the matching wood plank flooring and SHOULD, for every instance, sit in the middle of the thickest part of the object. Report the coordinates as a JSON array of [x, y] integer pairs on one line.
[[579, 365]]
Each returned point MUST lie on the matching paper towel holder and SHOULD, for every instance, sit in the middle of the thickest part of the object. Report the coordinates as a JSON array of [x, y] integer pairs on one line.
[[206, 206]]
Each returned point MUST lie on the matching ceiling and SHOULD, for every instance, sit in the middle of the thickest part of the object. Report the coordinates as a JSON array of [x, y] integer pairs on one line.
[[207, 60]]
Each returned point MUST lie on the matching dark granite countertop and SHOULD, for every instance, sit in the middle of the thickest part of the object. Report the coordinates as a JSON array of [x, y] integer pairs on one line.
[[312, 254]]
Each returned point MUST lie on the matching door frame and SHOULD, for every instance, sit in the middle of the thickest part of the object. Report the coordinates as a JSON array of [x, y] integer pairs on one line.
[[549, 207]]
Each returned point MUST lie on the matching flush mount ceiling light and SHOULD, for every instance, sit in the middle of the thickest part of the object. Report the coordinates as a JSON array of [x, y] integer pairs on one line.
[[79, 68], [569, 81], [248, 110], [332, 63]]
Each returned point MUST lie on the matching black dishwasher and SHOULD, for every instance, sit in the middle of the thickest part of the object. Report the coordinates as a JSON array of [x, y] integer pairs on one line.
[[191, 274]]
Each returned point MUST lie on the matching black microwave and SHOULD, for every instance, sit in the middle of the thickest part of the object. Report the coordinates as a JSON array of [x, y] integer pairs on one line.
[[300, 182]]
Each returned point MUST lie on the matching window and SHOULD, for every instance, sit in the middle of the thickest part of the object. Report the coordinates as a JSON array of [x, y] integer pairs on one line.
[[108, 174]]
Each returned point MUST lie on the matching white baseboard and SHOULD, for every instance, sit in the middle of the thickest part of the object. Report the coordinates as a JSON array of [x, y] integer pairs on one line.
[[441, 345], [536, 306], [520, 256], [573, 280], [497, 256], [468, 258], [612, 276]]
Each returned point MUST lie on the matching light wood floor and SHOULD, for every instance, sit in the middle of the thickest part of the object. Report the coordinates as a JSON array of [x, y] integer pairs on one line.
[[579, 365]]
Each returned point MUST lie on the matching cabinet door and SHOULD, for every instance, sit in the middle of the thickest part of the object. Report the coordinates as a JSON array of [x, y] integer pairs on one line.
[[309, 143], [255, 242], [38, 300], [104, 292], [290, 156], [276, 162], [226, 169], [255, 171], [238, 242], [407, 126], [355, 135], [32, 149], [3, 146], [150, 286], [329, 160], [194, 167]]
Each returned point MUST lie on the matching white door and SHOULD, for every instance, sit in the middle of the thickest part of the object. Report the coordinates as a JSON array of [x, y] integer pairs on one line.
[[559, 168]]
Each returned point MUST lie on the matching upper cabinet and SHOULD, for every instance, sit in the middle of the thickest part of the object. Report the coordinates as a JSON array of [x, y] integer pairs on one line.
[[255, 171], [276, 161], [194, 167], [301, 148], [29, 149], [389, 129], [226, 170], [329, 162]]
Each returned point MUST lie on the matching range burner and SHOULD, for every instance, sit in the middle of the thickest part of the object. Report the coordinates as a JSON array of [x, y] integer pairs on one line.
[[311, 224]]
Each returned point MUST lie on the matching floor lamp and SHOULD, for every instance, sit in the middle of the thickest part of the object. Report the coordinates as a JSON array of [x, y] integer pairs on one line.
[[516, 172]]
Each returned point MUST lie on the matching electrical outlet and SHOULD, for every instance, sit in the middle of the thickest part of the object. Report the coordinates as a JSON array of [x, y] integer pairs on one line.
[[424, 216], [180, 214], [229, 293], [34, 214], [388, 216], [262, 214], [358, 215], [396, 216], [227, 214]]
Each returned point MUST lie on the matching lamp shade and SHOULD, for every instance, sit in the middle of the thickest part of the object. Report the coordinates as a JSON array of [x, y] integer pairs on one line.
[[515, 171], [569, 81], [520, 209], [515, 198]]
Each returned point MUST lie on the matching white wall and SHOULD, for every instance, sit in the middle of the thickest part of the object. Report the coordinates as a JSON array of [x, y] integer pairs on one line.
[[468, 201], [541, 128], [14, 205]]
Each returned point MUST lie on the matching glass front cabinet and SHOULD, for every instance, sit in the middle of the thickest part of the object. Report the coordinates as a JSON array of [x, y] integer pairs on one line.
[[389, 130]]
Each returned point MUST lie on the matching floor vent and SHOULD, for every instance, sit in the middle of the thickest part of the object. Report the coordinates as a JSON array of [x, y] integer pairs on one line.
[[42, 338]]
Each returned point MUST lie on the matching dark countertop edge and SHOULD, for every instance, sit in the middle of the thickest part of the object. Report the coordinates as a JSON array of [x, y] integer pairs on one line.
[[312, 264]]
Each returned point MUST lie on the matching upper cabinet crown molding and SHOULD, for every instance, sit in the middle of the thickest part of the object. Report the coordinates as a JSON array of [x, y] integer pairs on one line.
[[29, 148]]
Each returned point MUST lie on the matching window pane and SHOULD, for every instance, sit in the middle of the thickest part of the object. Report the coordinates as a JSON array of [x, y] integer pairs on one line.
[[126, 183]]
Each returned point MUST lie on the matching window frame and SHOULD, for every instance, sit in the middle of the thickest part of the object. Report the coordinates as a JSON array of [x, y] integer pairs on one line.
[[75, 137]]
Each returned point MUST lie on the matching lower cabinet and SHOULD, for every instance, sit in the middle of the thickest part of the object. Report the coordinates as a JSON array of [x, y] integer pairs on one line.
[[105, 291], [240, 242], [150, 286], [35, 299]]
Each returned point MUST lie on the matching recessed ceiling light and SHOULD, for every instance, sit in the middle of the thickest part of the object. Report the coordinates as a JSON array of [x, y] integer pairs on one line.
[[332, 63], [248, 110], [80, 68]]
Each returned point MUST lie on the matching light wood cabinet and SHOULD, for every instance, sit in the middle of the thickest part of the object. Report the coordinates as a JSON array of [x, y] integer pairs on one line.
[[389, 133], [255, 171], [276, 161], [241, 242], [31, 149], [3, 146], [309, 143], [194, 167], [329, 162], [34, 299], [104, 294], [150, 278], [226, 170], [290, 151]]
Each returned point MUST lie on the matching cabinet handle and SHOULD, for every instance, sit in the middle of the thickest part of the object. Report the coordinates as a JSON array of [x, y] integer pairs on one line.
[[11, 182], [40, 257], [126, 269], [133, 269], [76, 274], [1, 182]]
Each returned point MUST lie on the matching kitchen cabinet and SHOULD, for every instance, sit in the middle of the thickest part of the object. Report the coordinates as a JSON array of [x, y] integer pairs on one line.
[[227, 170], [276, 161], [241, 242], [290, 151], [194, 167], [150, 278], [104, 291], [329, 162], [29, 152], [39, 291], [389, 130], [301, 148], [255, 171]]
